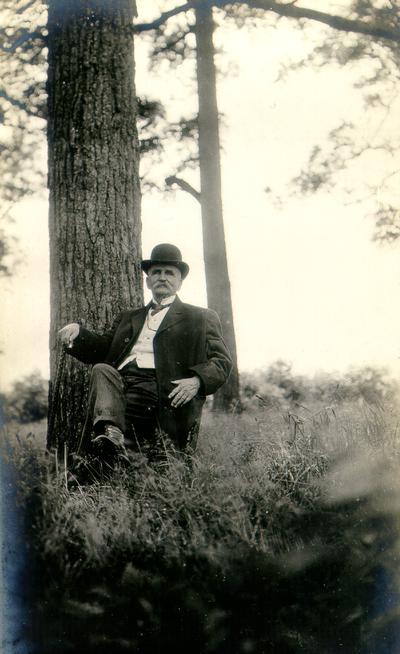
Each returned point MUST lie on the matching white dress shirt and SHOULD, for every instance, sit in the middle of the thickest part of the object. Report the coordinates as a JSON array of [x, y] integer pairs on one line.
[[142, 351]]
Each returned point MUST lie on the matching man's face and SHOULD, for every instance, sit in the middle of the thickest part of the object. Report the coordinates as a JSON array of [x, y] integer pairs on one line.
[[163, 281]]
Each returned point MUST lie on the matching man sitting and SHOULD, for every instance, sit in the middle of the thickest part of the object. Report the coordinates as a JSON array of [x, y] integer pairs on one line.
[[153, 370]]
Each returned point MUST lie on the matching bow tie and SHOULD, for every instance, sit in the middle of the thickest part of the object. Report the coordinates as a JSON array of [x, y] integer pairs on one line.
[[155, 308]]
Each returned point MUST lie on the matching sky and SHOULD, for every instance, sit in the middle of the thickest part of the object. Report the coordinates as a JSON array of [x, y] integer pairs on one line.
[[309, 285]]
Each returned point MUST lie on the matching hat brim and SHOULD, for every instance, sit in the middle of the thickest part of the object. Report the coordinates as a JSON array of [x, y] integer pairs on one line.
[[181, 265]]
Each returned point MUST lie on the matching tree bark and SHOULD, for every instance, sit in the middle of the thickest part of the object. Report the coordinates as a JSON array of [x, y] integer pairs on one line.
[[215, 260], [94, 216]]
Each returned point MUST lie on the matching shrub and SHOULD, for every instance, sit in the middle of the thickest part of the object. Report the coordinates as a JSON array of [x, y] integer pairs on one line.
[[275, 386], [278, 386], [28, 399]]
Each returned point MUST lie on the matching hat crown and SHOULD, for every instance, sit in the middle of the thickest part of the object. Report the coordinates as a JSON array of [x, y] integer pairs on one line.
[[165, 252], [168, 254]]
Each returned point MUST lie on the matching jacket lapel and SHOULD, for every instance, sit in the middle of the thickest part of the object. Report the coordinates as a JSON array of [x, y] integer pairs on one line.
[[131, 331], [137, 321], [174, 314]]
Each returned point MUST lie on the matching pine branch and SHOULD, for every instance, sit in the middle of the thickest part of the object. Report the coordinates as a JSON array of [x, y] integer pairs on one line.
[[165, 16], [288, 10], [23, 8], [170, 44], [336, 22], [185, 186]]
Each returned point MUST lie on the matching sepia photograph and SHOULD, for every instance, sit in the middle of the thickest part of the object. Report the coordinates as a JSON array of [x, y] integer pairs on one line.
[[199, 332]]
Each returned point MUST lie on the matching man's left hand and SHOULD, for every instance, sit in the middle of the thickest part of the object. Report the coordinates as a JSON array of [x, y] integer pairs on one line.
[[184, 391]]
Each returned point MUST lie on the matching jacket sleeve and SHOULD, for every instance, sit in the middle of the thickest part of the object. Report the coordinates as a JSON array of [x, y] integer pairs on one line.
[[215, 371], [90, 347]]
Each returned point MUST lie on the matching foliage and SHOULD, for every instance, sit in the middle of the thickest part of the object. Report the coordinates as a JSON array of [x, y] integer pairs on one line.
[[171, 45], [279, 386], [27, 400], [22, 109], [365, 38], [371, 141], [271, 539], [23, 101], [9, 256], [22, 97], [23, 93]]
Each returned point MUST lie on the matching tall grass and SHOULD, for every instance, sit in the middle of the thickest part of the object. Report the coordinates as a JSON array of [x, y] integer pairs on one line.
[[279, 535]]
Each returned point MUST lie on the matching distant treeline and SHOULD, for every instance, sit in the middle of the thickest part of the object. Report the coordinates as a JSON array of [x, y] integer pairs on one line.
[[278, 386]]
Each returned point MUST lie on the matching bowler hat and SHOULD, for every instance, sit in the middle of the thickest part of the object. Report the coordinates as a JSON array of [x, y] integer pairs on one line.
[[168, 255]]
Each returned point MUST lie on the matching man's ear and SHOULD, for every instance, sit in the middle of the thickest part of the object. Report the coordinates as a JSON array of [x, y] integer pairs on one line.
[[147, 282]]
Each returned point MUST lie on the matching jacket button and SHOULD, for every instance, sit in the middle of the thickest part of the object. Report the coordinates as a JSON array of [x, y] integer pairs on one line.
[[126, 340]]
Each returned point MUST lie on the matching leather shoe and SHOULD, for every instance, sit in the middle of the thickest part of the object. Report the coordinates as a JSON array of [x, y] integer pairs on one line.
[[110, 443]]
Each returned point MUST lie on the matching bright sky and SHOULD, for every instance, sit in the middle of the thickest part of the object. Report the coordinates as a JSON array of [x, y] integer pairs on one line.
[[309, 285]]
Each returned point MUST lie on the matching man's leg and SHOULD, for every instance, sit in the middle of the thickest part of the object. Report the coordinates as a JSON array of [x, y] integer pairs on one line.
[[106, 402], [141, 397], [126, 400], [106, 413]]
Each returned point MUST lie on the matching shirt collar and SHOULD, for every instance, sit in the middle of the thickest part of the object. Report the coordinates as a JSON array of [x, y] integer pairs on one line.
[[166, 300]]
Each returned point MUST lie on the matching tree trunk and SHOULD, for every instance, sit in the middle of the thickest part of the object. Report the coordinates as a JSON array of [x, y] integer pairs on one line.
[[215, 260], [94, 217]]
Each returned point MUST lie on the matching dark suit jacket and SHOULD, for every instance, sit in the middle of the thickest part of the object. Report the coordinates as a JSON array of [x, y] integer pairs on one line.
[[188, 342]]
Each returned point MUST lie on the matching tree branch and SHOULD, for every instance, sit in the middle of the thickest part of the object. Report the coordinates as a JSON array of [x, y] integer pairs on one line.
[[172, 43], [185, 186], [21, 9], [165, 16], [337, 22], [288, 10]]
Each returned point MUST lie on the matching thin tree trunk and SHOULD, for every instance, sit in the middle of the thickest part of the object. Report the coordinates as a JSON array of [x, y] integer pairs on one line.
[[94, 217], [215, 260]]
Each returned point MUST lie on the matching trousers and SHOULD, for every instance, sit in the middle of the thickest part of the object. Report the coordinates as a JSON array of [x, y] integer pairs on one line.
[[127, 398]]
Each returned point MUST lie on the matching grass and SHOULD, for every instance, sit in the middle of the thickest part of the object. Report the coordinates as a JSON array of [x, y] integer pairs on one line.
[[279, 535]]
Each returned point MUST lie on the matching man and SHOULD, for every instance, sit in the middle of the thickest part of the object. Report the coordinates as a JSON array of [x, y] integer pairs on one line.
[[155, 366]]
